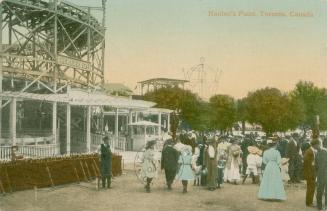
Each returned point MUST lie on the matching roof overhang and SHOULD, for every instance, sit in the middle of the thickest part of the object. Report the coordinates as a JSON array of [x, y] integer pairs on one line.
[[81, 99]]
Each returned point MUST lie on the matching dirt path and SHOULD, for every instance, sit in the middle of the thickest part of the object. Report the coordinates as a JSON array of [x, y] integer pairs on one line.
[[128, 194]]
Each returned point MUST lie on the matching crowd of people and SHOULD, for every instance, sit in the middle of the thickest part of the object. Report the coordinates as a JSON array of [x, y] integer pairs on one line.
[[211, 160]]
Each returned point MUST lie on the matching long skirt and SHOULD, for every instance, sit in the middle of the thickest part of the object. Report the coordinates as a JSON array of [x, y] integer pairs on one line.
[[271, 186], [232, 174]]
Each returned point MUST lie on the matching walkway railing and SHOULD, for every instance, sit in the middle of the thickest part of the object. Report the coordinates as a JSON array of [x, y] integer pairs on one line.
[[5, 152], [30, 151], [38, 151]]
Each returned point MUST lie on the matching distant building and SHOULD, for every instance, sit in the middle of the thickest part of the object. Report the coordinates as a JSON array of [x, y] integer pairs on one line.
[[157, 83], [117, 89]]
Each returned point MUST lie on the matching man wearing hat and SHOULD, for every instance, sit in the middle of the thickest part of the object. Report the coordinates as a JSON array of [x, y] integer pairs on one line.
[[169, 161], [293, 153], [321, 166], [105, 162], [309, 171]]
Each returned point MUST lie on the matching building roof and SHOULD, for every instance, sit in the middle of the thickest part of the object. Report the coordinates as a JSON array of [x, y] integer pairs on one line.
[[81, 98], [163, 80]]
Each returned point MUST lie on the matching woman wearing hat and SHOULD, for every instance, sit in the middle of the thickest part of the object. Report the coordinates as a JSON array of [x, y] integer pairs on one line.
[[271, 187], [149, 167], [232, 170], [185, 172]]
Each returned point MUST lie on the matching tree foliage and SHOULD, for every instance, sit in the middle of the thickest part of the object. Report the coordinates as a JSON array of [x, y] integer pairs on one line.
[[313, 101], [224, 112], [273, 110], [186, 105]]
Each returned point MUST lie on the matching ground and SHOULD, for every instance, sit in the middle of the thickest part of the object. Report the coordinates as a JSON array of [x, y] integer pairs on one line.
[[127, 193]]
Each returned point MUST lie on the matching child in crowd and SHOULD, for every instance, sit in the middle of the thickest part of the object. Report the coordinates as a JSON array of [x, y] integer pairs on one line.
[[253, 164]]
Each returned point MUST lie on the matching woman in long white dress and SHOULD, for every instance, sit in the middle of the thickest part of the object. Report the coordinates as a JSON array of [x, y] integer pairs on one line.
[[149, 165], [232, 170]]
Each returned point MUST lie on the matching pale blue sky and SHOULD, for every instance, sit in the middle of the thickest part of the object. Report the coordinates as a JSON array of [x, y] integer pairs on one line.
[[147, 38]]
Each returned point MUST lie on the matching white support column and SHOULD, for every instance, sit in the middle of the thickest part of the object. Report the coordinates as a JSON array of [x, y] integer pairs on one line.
[[168, 122], [13, 121], [127, 122], [88, 129], [159, 122], [116, 127], [136, 116], [68, 120], [54, 125], [130, 117]]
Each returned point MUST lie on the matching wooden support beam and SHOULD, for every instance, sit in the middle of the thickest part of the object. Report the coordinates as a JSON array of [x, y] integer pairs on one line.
[[88, 129], [68, 132], [54, 125], [13, 114]]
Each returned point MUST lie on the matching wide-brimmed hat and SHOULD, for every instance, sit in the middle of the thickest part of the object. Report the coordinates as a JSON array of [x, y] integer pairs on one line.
[[254, 150], [150, 144]]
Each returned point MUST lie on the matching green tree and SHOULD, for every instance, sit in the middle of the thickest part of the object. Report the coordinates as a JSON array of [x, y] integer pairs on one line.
[[224, 112], [313, 101], [273, 110], [185, 104], [241, 112]]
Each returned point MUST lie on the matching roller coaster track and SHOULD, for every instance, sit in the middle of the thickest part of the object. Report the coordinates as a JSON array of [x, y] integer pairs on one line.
[[52, 42]]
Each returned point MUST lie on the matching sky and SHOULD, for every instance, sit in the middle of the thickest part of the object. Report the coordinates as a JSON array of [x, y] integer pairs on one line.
[[147, 39]]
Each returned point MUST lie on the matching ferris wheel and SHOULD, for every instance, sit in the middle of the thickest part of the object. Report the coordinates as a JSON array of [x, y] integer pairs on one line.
[[203, 79]]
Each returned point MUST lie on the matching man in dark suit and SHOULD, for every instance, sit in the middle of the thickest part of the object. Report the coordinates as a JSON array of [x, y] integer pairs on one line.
[[282, 146], [321, 166], [105, 162], [309, 171], [169, 162], [293, 153]]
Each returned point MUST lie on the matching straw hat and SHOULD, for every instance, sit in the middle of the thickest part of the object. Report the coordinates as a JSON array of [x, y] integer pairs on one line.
[[252, 149]]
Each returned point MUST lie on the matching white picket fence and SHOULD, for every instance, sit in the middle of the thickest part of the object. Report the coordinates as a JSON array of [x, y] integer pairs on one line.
[[30, 151], [39, 151]]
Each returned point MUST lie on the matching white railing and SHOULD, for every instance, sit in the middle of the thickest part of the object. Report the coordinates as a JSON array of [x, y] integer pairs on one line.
[[121, 143], [96, 140], [30, 151], [5, 152], [38, 151]]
